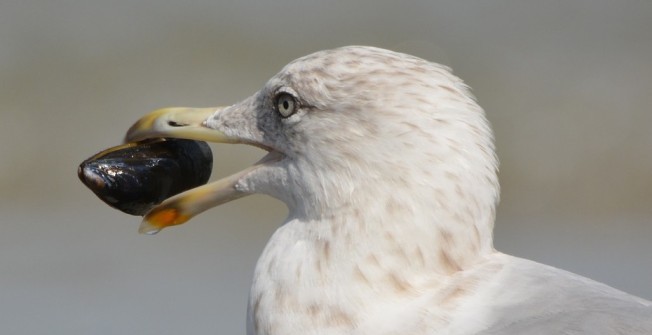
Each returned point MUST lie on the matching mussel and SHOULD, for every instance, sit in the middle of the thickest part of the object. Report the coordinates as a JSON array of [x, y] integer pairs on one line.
[[134, 177]]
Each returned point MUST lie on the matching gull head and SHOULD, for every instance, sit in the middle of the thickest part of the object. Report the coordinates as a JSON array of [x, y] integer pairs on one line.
[[348, 128]]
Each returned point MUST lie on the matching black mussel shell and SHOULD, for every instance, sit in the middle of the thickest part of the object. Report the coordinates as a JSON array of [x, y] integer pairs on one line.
[[135, 177]]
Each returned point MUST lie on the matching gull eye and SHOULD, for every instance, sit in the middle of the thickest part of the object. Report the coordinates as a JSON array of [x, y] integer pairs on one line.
[[285, 104]]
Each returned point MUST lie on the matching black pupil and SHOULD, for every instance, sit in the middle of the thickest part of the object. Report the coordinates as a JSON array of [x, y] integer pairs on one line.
[[286, 104]]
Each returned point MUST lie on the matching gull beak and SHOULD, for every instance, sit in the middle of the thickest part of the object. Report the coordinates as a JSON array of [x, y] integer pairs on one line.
[[188, 123], [178, 122]]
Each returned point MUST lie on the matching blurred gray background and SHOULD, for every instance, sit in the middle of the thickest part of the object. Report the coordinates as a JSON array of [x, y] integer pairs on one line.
[[566, 84]]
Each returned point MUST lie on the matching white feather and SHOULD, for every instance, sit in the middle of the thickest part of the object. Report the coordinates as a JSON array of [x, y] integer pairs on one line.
[[390, 177]]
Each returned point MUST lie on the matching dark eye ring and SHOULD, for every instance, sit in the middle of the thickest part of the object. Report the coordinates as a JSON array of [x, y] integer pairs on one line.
[[285, 104]]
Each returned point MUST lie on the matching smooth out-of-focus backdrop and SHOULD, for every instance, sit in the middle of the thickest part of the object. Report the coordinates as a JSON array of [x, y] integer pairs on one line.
[[567, 86]]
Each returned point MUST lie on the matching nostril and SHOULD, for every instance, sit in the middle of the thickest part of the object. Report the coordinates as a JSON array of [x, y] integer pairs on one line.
[[176, 124]]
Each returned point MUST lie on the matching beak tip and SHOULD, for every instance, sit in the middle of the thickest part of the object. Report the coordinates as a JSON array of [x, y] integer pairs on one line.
[[146, 228], [134, 133]]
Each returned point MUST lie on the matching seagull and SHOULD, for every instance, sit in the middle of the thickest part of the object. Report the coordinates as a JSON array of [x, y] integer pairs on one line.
[[387, 165]]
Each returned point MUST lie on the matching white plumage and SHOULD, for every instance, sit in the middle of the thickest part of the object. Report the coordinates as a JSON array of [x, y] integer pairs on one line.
[[387, 166]]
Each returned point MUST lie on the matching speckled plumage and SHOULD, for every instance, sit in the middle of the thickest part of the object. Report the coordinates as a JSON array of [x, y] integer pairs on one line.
[[390, 177], [391, 184]]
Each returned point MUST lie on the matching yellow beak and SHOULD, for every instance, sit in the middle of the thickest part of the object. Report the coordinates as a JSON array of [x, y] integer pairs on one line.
[[188, 123], [178, 122]]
